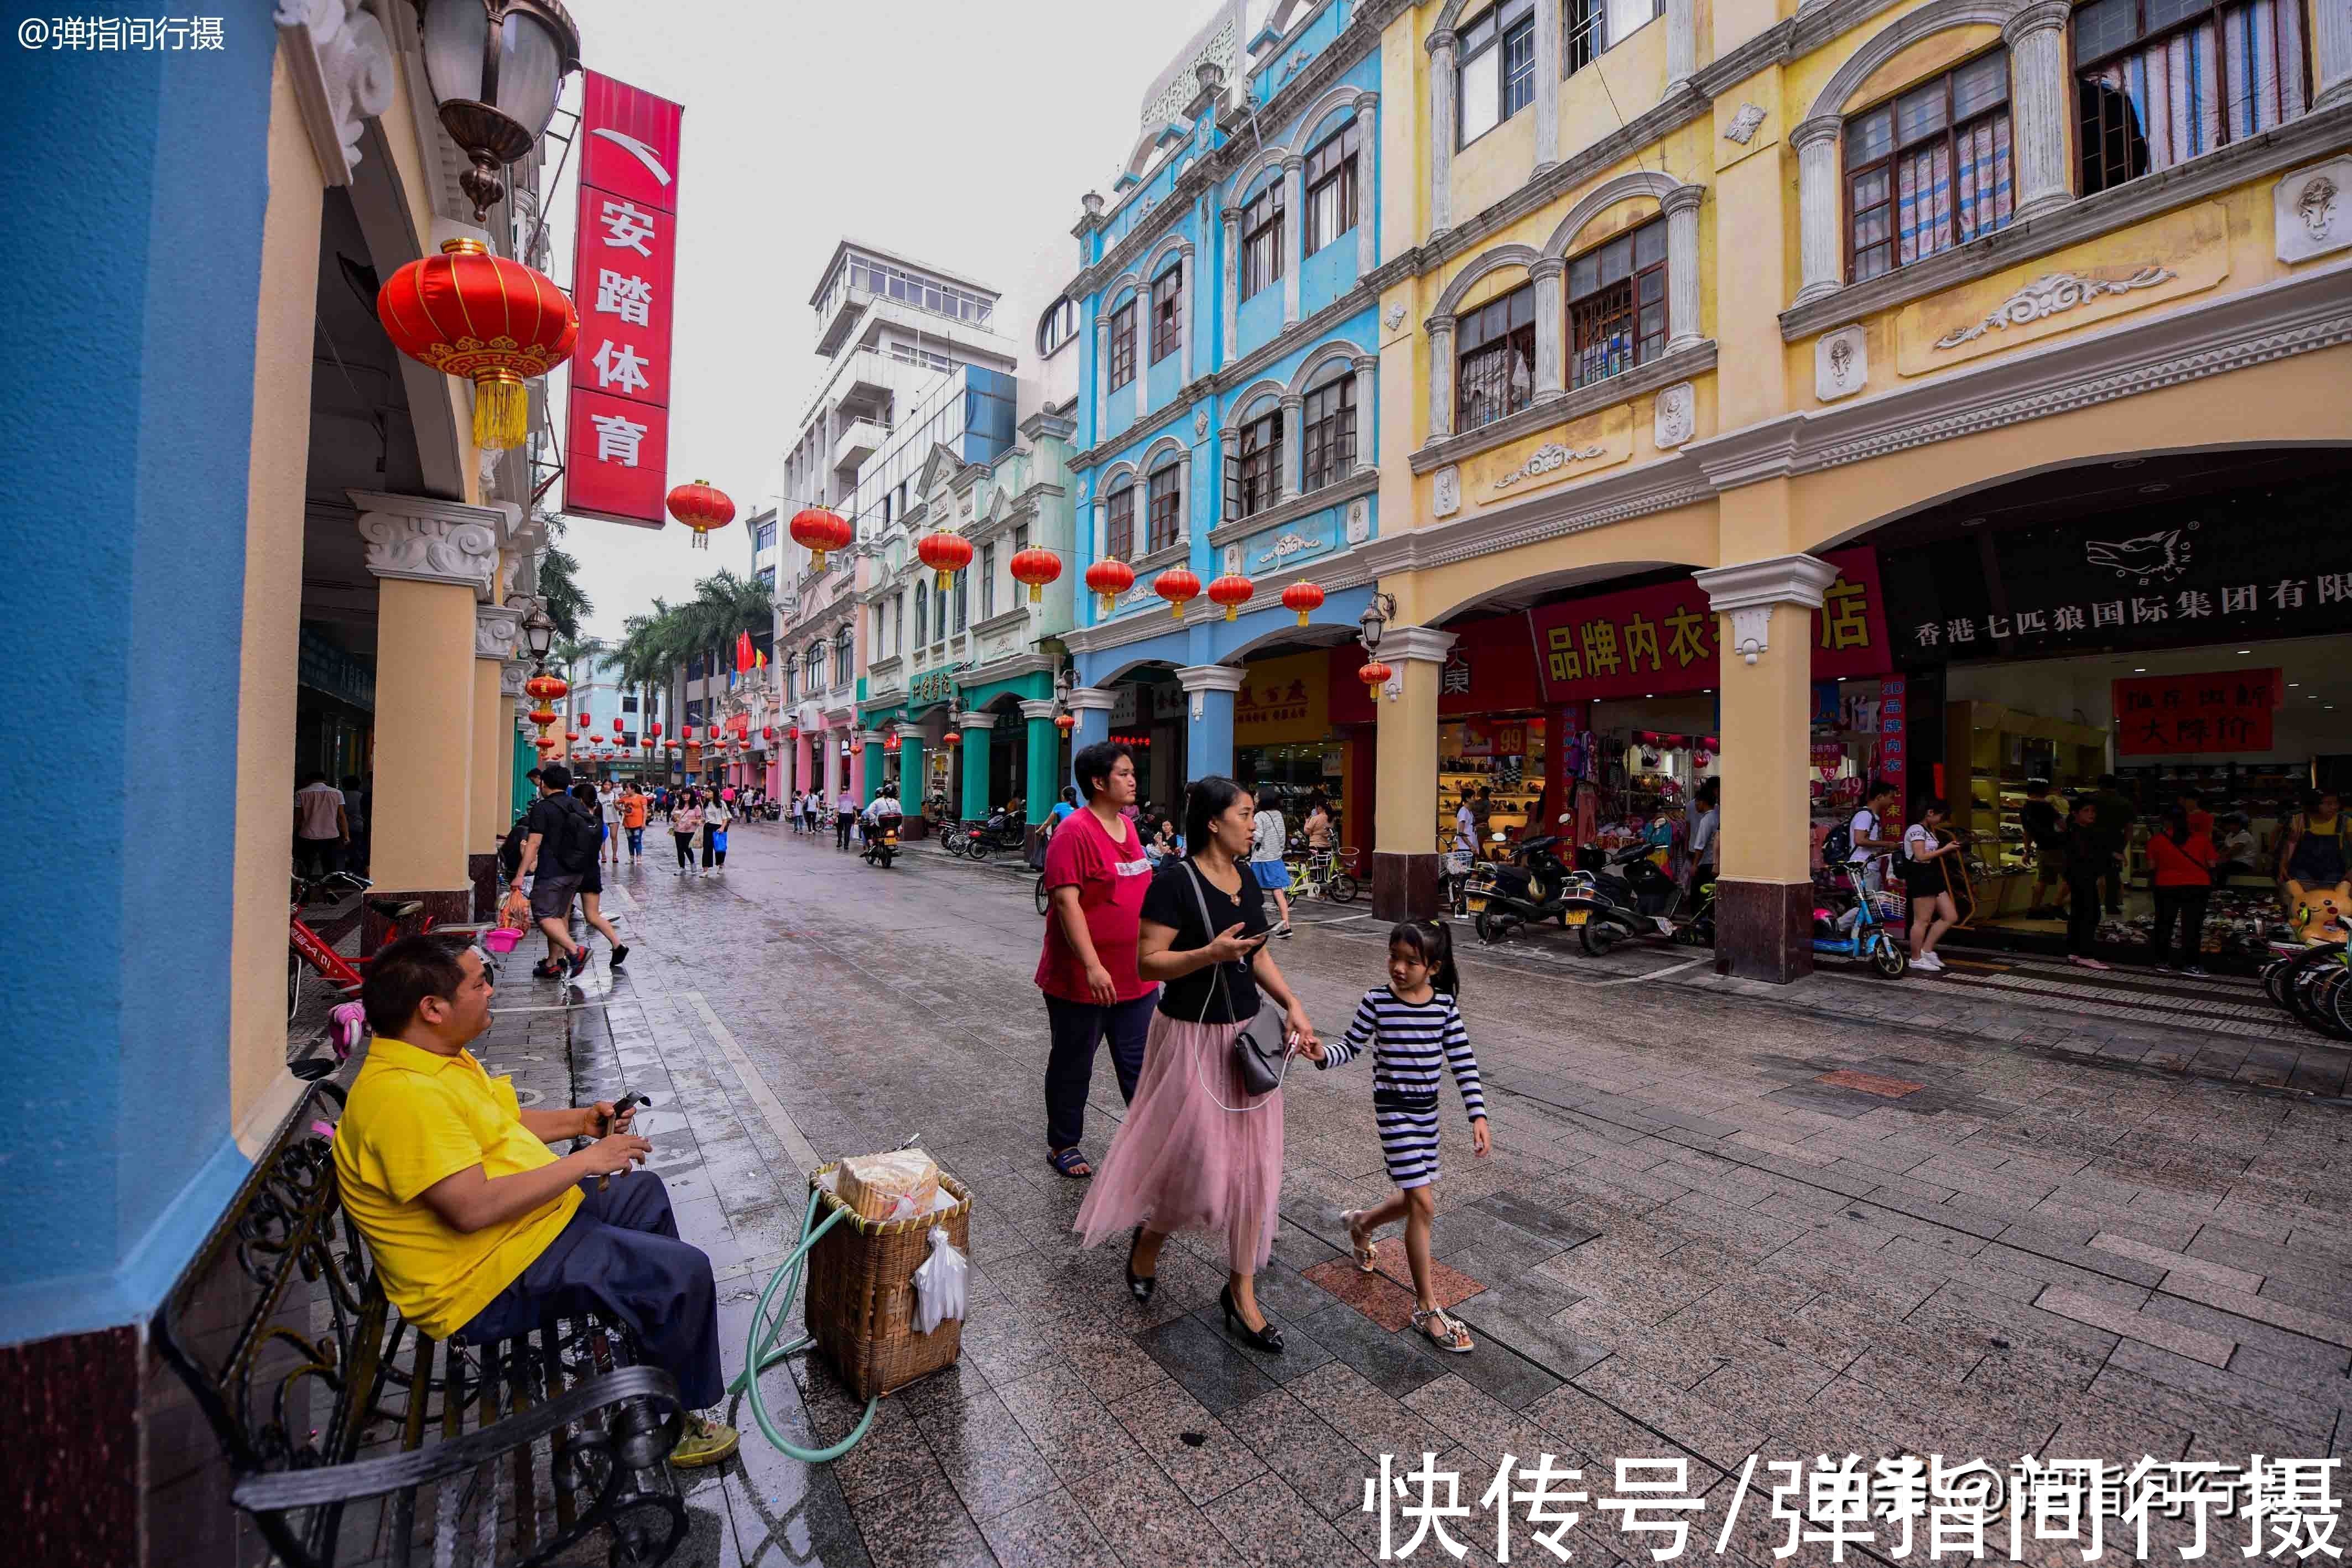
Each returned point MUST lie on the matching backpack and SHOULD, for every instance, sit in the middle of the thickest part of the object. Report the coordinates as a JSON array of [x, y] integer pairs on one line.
[[570, 837], [1839, 845]]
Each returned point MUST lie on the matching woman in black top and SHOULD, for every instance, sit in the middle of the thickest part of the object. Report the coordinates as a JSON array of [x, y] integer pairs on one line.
[[1197, 1151]]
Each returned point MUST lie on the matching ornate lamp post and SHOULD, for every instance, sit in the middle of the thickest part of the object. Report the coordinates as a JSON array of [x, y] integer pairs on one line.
[[496, 67]]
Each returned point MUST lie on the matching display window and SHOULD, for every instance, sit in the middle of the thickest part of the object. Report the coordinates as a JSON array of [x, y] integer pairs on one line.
[[1284, 746]]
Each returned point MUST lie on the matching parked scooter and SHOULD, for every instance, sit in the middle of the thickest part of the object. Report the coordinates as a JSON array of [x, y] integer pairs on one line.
[[1858, 933], [1631, 897], [881, 842], [1533, 886], [1002, 831]]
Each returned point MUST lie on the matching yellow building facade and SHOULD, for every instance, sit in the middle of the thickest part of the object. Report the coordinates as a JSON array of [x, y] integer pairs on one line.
[[1750, 281]]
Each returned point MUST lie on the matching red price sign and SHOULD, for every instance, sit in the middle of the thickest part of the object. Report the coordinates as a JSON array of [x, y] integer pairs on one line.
[[2181, 715]]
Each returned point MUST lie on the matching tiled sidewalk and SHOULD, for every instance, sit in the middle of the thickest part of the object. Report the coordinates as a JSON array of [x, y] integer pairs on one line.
[[1711, 1229]]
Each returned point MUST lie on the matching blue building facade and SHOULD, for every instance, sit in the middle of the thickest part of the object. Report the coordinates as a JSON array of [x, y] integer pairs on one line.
[[1228, 412]]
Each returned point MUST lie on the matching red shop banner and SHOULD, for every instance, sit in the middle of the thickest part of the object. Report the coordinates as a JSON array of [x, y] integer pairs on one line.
[[1661, 640], [623, 266], [2182, 716]]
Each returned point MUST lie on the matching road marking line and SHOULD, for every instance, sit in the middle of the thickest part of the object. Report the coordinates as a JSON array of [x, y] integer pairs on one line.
[[795, 1143]]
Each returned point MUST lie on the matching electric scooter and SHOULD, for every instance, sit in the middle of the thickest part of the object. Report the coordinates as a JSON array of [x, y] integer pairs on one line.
[[881, 843], [1629, 896], [1533, 887], [1859, 932]]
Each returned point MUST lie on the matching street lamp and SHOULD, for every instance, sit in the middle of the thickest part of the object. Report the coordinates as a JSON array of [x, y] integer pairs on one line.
[[496, 67], [1370, 626], [537, 631]]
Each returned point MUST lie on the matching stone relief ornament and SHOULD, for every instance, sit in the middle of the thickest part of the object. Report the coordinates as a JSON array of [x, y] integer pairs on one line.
[[512, 676], [2310, 213], [342, 73], [1548, 458], [1233, 557], [1676, 417], [1393, 316], [1360, 521], [1841, 363], [2052, 294], [1446, 495], [1200, 423], [1743, 125], [430, 550], [496, 632]]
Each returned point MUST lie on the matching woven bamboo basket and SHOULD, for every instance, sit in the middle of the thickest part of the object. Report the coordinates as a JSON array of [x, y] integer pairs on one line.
[[861, 1292]]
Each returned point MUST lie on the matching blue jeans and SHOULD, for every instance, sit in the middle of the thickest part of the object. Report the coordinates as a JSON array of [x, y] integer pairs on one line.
[[620, 1254], [1078, 1028], [636, 842]]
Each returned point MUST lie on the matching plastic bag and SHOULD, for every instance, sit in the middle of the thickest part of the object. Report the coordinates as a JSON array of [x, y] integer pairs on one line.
[[939, 1283]]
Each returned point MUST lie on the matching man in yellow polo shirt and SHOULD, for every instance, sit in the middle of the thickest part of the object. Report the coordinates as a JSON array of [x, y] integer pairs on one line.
[[479, 1228]]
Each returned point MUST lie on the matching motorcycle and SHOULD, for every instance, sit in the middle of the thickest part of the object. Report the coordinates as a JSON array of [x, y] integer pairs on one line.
[[881, 843], [1629, 896], [1002, 831], [1859, 932], [1533, 886]]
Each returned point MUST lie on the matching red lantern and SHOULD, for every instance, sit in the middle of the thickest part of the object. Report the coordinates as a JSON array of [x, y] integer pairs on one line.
[[1178, 587], [584, 716], [545, 688], [857, 744], [654, 729], [702, 507], [543, 716], [1303, 597], [890, 744], [1066, 722], [817, 530], [767, 732], [1109, 578], [1233, 590], [545, 746], [571, 736], [955, 738], [1036, 567], [495, 322], [686, 732], [676, 744], [946, 554], [793, 733], [1374, 676], [617, 725]]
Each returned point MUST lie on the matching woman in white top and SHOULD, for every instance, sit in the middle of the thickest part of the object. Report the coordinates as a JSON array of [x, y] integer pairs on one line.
[[1933, 913], [685, 821], [1269, 840], [716, 817]]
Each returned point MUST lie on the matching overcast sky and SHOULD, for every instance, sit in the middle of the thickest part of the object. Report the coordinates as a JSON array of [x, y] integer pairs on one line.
[[961, 134]]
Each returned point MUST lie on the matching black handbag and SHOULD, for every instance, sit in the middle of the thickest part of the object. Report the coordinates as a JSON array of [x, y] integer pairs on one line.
[[1260, 1074]]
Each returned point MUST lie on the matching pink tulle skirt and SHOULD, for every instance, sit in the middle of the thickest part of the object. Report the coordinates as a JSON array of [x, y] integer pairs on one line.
[[1180, 1160]]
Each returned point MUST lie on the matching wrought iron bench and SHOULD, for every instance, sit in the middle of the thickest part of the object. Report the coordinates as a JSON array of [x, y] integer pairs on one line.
[[509, 1453]]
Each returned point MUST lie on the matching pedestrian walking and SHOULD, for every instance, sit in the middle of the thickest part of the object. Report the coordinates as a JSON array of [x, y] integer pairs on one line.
[[808, 811], [591, 885], [1412, 1025], [558, 850], [1925, 853], [1196, 1152], [2086, 862], [320, 827], [356, 820], [2044, 821], [685, 823], [845, 818], [1269, 840], [633, 809], [2181, 867], [717, 816], [2115, 814], [1707, 831], [608, 815], [1096, 874]]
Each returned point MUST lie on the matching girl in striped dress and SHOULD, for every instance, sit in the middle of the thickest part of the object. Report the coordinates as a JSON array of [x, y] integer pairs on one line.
[[1411, 1025]]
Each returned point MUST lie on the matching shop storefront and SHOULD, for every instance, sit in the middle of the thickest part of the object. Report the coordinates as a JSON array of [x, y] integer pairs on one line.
[[2192, 647], [1148, 714], [1283, 737]]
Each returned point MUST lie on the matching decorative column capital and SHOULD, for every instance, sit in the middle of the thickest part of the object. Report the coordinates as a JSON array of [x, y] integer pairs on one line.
[[512, 675], [1415, 644], [1437, 324], [1092, 699], [1035, 709], [1365, 363], [2042, 15], [496, 631], [1819, 129], [1686, 198], [1747, 593], [1292, 403], [1547, 266], [1293, 162], [1367, 100], [1212, 677], [1442, 41], [1231, 216], [976, 720], [422, 539], [340, 65]]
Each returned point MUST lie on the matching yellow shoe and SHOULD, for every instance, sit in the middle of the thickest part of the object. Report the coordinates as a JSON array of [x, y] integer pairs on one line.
[[704, 1442]]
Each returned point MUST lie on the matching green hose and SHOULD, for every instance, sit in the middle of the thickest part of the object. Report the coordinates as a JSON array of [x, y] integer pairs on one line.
[[762, 1350]]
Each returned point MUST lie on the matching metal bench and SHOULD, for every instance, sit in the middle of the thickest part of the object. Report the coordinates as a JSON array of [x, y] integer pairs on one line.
[[352, 1436]]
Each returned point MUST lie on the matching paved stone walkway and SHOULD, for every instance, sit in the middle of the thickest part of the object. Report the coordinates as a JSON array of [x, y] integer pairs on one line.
[[1714, 1227]]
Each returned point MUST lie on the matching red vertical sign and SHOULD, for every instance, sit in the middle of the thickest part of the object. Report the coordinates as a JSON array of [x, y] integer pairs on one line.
[[624, 263]]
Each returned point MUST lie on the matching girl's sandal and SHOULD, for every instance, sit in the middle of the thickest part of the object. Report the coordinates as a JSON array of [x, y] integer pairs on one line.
[[1360, 1243], [1443, 1331]]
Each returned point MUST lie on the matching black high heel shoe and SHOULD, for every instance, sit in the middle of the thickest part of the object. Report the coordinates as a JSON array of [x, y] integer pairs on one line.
[[1269, 1339], [1140, 1286]]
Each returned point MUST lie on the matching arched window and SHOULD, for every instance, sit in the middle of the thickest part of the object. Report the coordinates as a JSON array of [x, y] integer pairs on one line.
[[1057, 326], [1118, 524], [1332, 198], [1617, 304], [1262, 246], [1929, 170], [1166, 502], [2160, 81], [1495, 374], [1166, 312], [1122, 345], [844, 658], [1328, 429], [1254, 466]]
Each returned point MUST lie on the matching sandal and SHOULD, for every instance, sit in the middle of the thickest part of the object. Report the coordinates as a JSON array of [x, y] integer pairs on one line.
[[1360, 1243], [1071, 1162], [1443, 1331]]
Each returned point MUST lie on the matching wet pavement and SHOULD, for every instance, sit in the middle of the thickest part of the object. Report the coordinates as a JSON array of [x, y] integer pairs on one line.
[[1719, 1230]]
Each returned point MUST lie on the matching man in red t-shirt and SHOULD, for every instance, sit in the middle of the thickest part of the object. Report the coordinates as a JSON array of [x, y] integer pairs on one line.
[[1096, 872]]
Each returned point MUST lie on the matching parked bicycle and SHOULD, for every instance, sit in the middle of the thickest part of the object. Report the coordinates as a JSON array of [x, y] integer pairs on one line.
[[1326, 873], [307, 951]]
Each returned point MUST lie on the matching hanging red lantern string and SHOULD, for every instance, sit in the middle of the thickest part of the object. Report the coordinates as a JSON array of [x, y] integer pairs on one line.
[[1374, 676], [1233, 590], [1036, 567], [1066, 722], [702, 507], [494, 321], [818, 531], [946, 554], [1303, 597], [1178, 587], [954, 738], [1109, 578]]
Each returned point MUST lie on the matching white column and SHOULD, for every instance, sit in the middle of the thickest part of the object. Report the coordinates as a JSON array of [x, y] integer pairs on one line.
[[1142, 308], [1547, 84], [1819, 256], [2331, 53], [1294, 449], [1102, 375], [1233, 221], [1184, 315], [1366, 429], [2040, 99], [1682, 41], [1444, 80], [1441, 377], [1294, 234], [1368, 139], [1682, 267], [1550, 274]]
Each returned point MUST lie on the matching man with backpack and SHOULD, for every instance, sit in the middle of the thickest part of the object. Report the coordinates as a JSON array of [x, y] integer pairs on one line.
[[560, 845], [1864, 836]]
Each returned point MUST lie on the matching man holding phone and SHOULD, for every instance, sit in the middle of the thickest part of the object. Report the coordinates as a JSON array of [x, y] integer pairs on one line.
[[478, 1227]]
